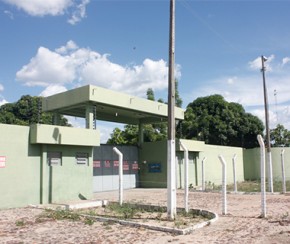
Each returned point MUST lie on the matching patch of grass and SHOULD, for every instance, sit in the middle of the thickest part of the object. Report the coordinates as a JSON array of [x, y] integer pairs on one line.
[[60, 214], [246, 186], [89, 221], [147, 214], [20, 223], [126, 211], [285, 216], [210, 186], [255, 186]]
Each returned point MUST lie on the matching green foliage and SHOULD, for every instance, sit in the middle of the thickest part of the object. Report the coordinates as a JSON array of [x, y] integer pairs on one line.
[[280, 137], [129, 136], [178, 99], [126, 211], [61, 214], [255, 186], [150, 94], [20, 223], [218, 122], [26, 111]]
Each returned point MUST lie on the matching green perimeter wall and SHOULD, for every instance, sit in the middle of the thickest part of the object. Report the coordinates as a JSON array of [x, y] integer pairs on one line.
[[156, 152], [213, 166], [28, 179], [252, 163], [20, 178]]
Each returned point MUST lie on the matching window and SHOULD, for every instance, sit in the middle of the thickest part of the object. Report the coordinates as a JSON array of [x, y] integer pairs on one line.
[[54, 158]]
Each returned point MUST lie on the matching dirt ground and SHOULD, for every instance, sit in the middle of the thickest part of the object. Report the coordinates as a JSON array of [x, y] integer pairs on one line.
[[241, 225]]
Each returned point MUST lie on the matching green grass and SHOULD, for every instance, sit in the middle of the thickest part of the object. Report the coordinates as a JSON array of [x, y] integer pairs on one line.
[[61, 214], [255, 186], [20, 223], [136, 212]]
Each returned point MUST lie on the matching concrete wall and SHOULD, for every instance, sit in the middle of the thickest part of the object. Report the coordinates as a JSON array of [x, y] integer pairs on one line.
[[68, 181], [213, 166], [151, 153], [19, 177], [252, 163], [26, 178]]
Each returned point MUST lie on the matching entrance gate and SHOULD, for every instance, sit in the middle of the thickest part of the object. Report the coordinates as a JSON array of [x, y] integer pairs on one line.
[[106, 168]]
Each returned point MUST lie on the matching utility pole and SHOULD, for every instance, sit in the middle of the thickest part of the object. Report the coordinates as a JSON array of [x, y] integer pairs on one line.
[[171, 186], [268, 144]]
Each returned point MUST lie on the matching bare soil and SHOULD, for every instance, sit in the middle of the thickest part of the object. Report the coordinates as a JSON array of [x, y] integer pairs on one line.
[[242, 224]]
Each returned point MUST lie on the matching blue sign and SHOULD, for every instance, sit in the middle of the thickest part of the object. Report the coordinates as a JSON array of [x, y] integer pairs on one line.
[[154, 167]]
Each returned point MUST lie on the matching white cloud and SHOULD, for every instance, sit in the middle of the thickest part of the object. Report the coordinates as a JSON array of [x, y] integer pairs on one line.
[[285, 60], [46, 68], [232, 80], [256, 64], [75, 8], [41, 8], [247, 89], [70, 45], [79, 13], [9, 14], [52, 89], [76, 66], [2, 101]]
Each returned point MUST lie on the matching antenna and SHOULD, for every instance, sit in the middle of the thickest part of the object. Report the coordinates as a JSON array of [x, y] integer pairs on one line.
[[275, 95]]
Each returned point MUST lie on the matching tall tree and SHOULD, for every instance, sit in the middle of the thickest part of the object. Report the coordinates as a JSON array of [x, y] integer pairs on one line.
[[216, 121], [26, 111], [280, 137], [178, 99], [150, 94]]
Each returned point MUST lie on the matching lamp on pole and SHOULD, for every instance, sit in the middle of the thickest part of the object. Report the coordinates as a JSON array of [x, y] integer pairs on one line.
[[268, 142], [171, 186]]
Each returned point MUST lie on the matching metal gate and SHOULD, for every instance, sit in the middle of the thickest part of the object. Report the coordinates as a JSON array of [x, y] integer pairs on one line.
[[106, 168]]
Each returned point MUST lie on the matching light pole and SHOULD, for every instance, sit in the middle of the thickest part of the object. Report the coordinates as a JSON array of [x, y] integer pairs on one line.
[[171, 186], [268, 142]]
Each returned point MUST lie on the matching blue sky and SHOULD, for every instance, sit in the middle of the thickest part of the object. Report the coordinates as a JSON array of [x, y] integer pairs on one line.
[[52, 46]]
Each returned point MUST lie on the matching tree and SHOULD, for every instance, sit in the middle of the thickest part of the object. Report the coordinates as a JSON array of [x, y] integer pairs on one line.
[[216, 121], [178, 99], [280, 137], [119, 137], [150, 94], [26, 111]]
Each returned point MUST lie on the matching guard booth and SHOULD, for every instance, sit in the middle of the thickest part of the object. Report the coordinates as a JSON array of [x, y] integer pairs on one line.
[[95, 103]]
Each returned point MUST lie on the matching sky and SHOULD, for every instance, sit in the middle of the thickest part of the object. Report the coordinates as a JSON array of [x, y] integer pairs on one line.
[[47, 47]]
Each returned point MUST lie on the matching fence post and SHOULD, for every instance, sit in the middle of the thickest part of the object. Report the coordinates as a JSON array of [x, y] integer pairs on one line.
[[262, 164], [202, 174], [283, 172], [185, 177], [234, 173], [120, 175], [224, 184]]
